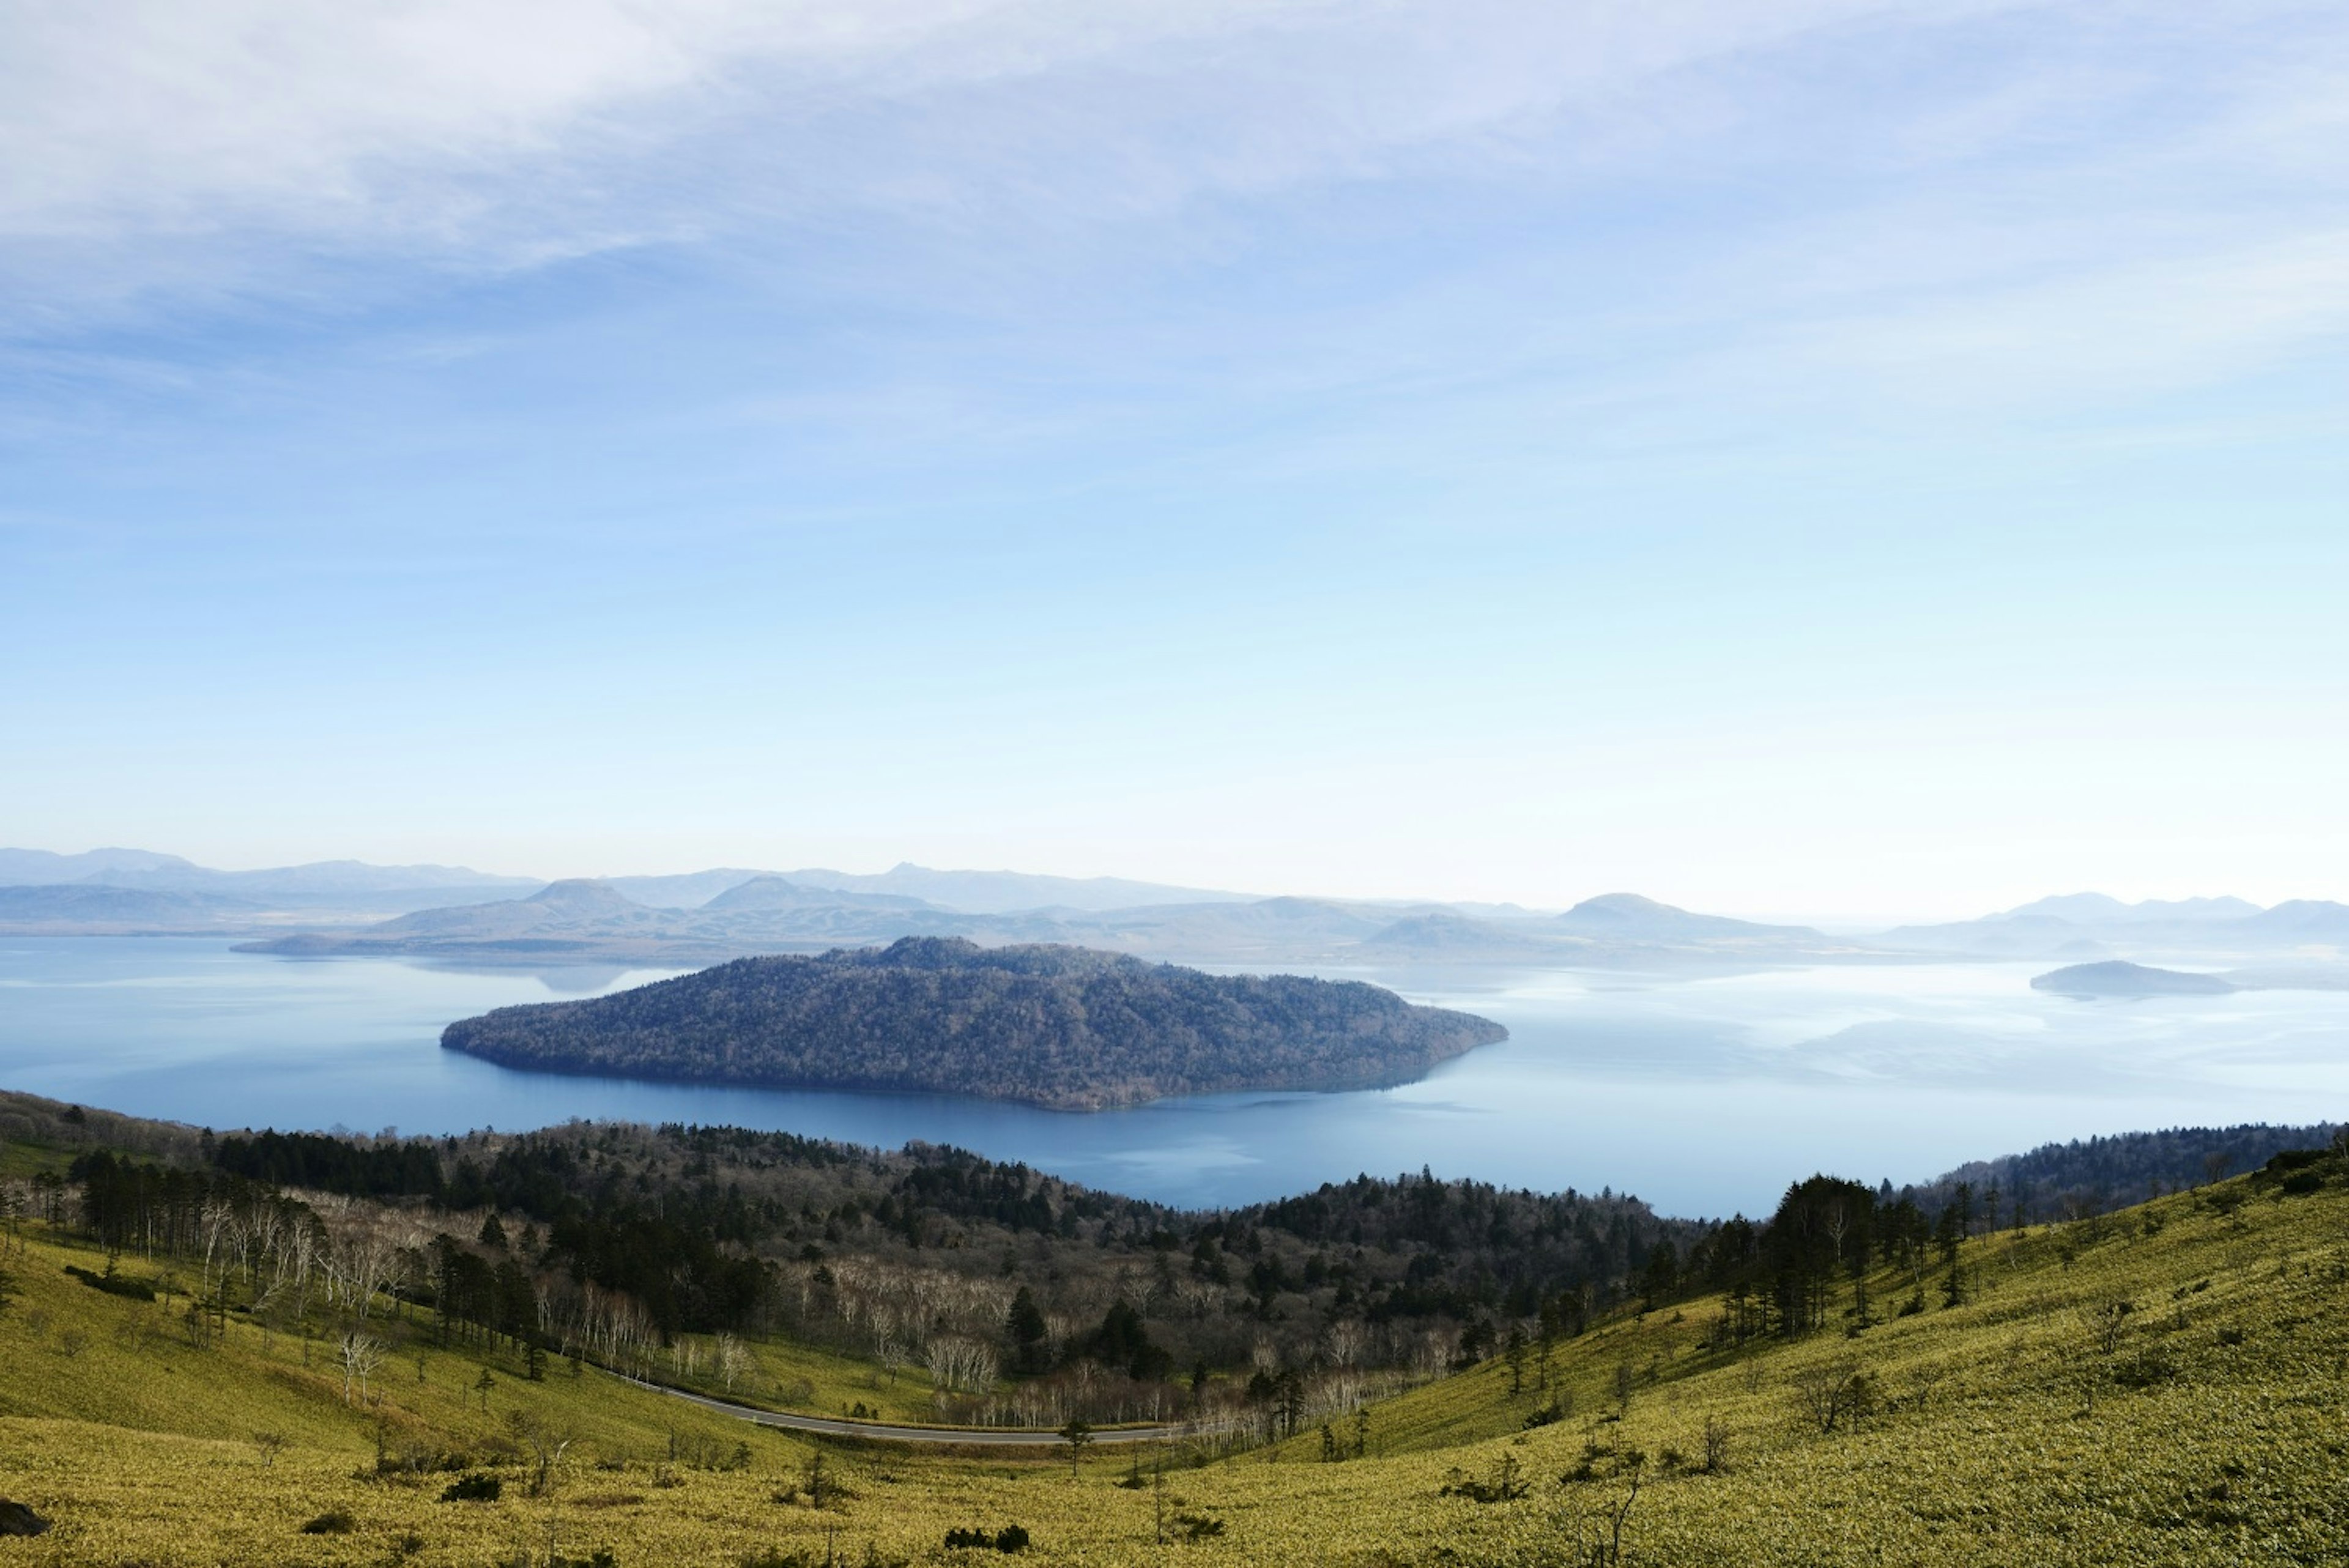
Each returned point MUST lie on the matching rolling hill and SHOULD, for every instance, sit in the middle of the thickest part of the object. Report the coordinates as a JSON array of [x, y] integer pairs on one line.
[[1629, 916], [2158, 1386], [93, 907]]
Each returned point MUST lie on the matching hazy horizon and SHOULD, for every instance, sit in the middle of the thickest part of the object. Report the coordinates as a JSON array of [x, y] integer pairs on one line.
[[1918, 910]]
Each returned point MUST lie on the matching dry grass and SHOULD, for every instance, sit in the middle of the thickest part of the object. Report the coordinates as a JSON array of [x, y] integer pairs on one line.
[[2012, 1429]]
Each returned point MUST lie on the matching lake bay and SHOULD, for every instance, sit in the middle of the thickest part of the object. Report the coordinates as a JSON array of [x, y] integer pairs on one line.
[[1703, 1094]]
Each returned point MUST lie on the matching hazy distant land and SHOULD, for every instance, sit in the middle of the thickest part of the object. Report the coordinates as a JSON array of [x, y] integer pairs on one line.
[[347, 909], [2114, 978], [774, 914], [1054, 1026], [2093, 926]]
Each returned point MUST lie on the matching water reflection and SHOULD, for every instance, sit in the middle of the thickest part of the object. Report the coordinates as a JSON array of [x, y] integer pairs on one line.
[[1704, 1094], [558, 980]]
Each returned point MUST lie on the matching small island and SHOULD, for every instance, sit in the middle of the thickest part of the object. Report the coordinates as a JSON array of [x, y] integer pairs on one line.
[[2116, 977], [1063, 1027]]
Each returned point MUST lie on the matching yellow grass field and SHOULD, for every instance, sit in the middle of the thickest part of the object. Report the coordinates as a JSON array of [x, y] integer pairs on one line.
[[2036, 1423]]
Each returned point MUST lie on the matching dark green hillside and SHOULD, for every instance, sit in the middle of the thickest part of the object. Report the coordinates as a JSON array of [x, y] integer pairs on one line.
[[1056, 1026]]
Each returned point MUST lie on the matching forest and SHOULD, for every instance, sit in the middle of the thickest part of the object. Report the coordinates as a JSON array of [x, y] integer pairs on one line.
[[221, 1362], [2087, 1176], [718, 1229], [612, 1241], [1064, 1027]]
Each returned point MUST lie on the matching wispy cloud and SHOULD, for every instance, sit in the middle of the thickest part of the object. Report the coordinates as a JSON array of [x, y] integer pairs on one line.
[[166, 142], [2133, 331], [1585, 391]]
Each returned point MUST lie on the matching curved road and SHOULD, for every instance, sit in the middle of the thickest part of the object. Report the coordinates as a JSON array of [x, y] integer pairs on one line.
[[879, 1432]]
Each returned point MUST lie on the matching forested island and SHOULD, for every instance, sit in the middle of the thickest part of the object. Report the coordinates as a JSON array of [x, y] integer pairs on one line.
[[1063, 1027]]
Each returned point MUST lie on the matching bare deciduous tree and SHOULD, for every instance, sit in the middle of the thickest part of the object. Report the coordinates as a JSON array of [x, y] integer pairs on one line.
[[1835, 1393], [1716, 1444], [733, 1361], [547, 1443], [960, 1365], [2107, 1318], [358, 1355]]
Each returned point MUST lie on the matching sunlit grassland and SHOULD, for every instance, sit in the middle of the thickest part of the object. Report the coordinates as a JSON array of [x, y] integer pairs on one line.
[[785, 1376], [18, 1158], [134, 1363], [78, 1353], [2035, 1422]]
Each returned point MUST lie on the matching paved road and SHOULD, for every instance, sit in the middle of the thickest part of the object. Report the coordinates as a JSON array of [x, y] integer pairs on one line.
[[880, 1432]]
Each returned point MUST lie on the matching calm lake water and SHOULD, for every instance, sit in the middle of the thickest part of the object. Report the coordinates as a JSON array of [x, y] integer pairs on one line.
[[1702, 1096]]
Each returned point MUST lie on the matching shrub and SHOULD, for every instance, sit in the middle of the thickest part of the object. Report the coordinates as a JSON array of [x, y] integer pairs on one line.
[[333, 1522], [1010, 1538], [473, 1489], [1197, 1526], [1507, 1485], [1716, 1446], [114, 1284]]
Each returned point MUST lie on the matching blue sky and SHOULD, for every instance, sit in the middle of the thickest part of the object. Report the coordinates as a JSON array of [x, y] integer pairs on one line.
[[1827, 458]]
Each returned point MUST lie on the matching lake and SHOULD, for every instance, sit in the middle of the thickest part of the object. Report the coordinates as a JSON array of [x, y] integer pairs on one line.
[[1700, 1094]]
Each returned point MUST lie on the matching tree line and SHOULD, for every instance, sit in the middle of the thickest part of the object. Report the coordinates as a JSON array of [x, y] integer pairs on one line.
[[621, 1243]]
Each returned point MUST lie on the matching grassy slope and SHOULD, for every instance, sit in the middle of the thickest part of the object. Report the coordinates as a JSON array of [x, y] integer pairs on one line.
[[840, 1383], [18, 1158], [2004, 1438]]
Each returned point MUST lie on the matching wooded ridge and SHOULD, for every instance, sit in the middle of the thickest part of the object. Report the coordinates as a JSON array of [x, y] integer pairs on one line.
[[1064, 1027]]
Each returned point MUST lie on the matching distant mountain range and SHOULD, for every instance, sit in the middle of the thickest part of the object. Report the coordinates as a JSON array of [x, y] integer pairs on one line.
[[1005, 892], [2092, 926], [970, 892], [771, 914], [357, 885], [99, 908], [46, 890], [703, 917]]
